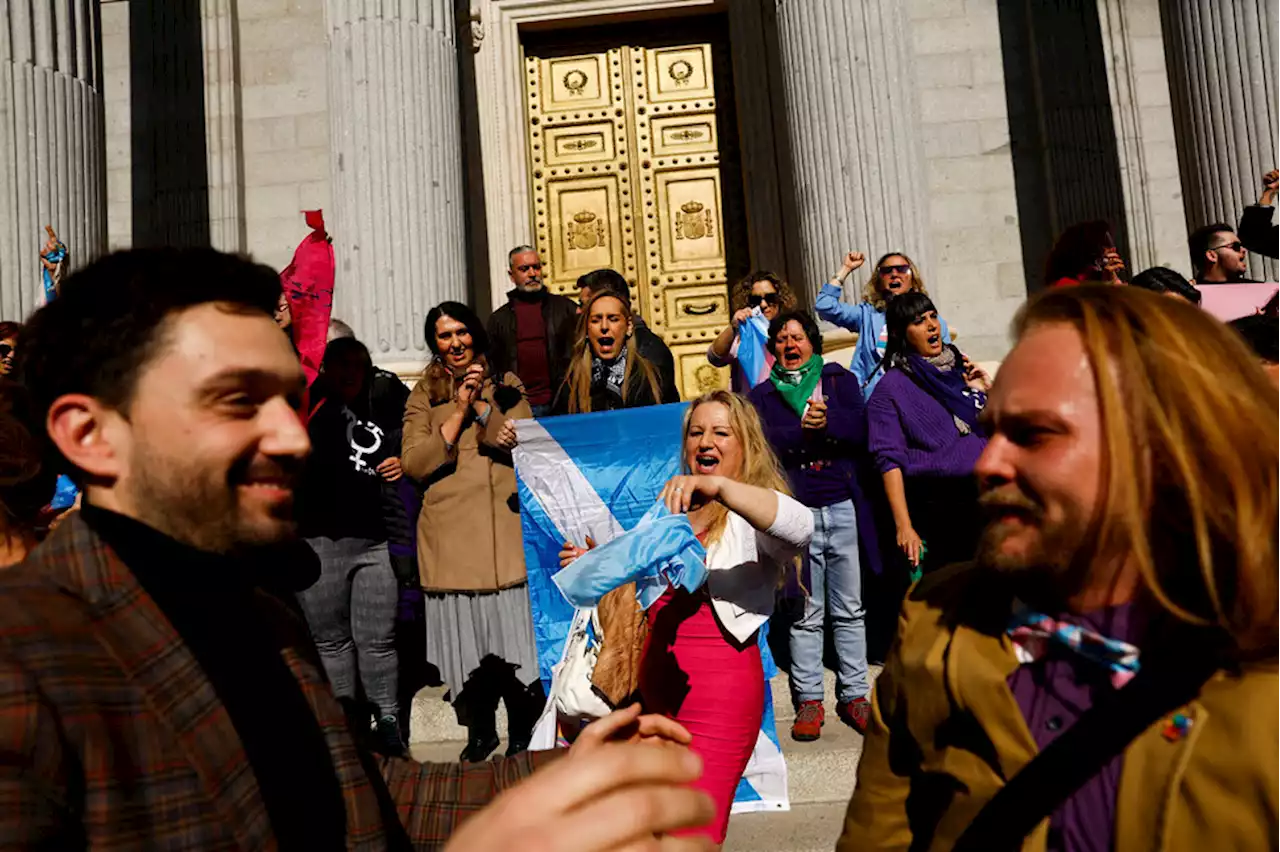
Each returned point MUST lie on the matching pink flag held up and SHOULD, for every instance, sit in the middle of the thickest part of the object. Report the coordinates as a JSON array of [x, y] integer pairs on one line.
[[308, 285], [1232, 301]]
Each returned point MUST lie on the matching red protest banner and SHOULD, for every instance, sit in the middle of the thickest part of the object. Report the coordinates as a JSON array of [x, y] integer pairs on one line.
[[308, 286]]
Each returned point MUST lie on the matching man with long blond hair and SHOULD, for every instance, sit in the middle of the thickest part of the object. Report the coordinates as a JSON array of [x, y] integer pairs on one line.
[[1104, 675]]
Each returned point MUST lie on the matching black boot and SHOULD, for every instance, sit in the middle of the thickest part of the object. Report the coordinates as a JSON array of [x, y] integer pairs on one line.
[[481, 711], [524, 707]]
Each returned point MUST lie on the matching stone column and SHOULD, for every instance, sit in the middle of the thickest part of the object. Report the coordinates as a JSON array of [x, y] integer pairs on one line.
[[222, 125], [397, 222], [52, 163], [852, 116], [1138, 85], [1222, 73]]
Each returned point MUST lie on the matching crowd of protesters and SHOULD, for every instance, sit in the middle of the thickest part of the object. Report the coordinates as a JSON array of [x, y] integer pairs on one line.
[[1093, 502]]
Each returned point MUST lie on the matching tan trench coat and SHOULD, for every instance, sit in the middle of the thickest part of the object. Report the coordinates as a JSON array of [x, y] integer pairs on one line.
[[469, 530], [941, 710]]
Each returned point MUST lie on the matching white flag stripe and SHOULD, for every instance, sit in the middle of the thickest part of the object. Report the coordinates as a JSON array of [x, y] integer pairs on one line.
[[566, 496]]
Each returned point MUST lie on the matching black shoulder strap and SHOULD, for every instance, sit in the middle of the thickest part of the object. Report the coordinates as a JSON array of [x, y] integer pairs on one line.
[[1101, 733]]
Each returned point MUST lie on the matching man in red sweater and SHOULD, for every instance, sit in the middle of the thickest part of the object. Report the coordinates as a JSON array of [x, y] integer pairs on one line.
[[532, 334]]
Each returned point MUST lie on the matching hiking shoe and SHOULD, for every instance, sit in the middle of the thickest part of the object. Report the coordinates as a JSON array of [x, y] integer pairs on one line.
[[807, 726], [856, 714]]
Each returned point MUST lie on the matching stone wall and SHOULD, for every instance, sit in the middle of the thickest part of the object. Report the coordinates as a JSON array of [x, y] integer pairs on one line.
[[974, 270], [284, 142], [1134, 49], [284, 108]]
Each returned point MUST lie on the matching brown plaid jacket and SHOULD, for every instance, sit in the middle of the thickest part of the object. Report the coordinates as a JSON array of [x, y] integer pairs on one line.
[[111, 736]]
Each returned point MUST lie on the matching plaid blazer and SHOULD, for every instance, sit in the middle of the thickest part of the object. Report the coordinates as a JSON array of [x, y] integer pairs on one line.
[[111, 735]]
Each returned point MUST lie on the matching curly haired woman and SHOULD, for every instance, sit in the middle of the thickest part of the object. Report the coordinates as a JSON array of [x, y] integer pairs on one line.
[[760, 290]]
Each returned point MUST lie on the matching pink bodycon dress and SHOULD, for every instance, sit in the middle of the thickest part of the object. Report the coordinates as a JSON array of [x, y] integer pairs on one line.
[[698, 674]]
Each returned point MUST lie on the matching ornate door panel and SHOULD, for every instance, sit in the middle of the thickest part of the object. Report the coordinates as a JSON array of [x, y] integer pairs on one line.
[[625, 156], [579, 145]]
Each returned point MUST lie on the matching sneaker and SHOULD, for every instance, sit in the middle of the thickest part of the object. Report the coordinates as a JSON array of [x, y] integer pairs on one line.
[[856, 714], [387, 737], [810, 718]]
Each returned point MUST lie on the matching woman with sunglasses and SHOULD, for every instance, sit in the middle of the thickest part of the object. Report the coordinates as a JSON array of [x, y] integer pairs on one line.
[[762, 291], [924, 433], [8, 345], [894, 274]]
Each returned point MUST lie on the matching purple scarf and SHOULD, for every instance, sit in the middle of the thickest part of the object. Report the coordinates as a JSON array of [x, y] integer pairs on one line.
[[947, 387]]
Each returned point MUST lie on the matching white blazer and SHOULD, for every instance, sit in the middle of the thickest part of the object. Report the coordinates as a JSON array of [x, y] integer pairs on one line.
[[744, 567]]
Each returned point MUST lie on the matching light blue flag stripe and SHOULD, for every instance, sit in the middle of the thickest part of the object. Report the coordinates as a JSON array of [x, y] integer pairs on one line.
[[598, 474]]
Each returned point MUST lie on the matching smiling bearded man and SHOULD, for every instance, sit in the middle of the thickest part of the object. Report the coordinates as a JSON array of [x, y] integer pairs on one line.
[[1104, 676], [157, 687]]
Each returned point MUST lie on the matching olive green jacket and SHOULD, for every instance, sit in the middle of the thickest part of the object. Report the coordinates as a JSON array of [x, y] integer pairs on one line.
[[946, 733]]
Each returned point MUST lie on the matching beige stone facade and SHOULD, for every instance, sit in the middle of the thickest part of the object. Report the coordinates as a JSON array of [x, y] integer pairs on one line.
[[864, 124]]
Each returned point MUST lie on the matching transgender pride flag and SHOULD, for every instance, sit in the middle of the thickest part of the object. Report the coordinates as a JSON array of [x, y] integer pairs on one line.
[[599, 474], [753, 349]]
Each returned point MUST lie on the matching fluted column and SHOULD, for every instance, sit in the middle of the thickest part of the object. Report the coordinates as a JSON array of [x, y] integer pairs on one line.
[[853, 121], [222, 120], [1222, 74], [397, 169], [52, 151]]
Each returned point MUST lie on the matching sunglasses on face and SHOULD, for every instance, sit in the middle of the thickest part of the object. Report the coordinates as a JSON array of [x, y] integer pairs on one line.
[[528, 267], [5, 350], [900, 268], [1235, 247], [755, 300]]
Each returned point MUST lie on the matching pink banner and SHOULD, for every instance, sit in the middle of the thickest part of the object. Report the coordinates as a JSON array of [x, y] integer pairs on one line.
[[308, 285], [1232, 301]]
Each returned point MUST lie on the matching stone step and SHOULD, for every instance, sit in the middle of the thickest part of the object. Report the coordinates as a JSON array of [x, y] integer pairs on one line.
[[432, 719], [823, 771], [817, 772], [805, 828]]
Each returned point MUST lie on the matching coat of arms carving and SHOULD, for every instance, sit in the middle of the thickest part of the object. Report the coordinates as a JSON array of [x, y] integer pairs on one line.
[[694, 221], [586, 231]]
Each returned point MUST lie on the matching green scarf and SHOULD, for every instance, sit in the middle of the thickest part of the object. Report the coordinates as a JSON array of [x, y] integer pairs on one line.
[[796, 386]]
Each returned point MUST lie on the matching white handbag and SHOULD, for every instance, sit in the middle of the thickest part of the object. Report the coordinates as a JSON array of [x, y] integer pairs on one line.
[[572, 695]]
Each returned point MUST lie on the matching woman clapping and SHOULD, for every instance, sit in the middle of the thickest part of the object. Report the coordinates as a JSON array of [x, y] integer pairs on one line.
[[458, 434]]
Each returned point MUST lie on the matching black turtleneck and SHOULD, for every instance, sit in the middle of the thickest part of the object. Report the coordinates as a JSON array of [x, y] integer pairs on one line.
[[210, 601]]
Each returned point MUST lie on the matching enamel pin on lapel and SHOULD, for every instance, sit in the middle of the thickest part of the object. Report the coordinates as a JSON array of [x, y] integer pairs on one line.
[[1177, 727]]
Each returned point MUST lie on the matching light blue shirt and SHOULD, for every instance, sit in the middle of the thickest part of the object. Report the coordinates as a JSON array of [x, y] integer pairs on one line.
[[869, 323]]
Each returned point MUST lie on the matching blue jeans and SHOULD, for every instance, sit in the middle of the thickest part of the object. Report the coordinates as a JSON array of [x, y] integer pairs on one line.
[[541, 411], [835, 583]]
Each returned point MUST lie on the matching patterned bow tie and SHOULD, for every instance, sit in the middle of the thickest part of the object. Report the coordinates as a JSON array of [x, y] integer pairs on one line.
[[1032, 632]]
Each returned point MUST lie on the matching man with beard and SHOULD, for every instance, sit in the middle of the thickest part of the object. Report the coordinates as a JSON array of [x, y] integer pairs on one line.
[[532, 334], [1218, 256], [156, 690], [1103, 677]]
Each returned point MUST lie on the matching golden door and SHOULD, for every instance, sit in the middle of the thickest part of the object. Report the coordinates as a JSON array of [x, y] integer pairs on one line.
[[626, 166]]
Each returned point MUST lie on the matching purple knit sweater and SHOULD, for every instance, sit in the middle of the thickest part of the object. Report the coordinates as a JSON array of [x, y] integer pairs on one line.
[[910, 430]]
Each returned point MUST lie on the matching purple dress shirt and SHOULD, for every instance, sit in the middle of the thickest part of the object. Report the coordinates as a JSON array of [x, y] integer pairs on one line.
[[1052, 693], [910, 430]]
